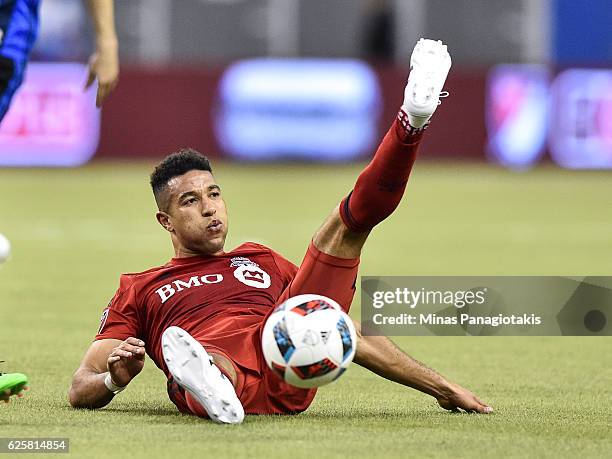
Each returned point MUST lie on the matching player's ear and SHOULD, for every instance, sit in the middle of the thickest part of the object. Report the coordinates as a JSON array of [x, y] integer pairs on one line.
[[164, 220]]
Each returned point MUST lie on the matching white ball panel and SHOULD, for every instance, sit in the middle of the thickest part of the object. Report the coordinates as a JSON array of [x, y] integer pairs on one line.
[[316, 338]]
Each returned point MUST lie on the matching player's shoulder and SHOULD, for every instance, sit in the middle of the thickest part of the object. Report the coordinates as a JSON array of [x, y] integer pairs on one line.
[[251, 247], [127, 280], [254, 248]]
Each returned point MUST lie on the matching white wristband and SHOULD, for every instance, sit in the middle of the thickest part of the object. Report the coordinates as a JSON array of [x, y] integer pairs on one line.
[[111, 386]]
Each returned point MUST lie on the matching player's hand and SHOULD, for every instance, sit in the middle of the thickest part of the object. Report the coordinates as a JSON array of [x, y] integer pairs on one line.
[[126, 361], [457, 398], [104, 66], [6, 395]]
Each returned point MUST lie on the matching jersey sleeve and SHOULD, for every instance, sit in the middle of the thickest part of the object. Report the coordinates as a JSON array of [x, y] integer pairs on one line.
[[286, 268], [120, 318]]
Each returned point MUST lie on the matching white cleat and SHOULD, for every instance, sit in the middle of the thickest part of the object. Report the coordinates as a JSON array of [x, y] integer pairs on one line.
[[194, 370], [429, 64]]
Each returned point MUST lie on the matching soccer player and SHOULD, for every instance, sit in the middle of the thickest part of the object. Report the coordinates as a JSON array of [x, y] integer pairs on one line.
[[18, 30], [200, 316]]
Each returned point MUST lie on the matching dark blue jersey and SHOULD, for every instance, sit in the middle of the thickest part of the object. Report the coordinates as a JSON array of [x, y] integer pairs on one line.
[[18, 30]]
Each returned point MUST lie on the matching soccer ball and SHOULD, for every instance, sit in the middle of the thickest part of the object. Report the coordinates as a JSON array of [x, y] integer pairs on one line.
[[5, 248], [309, 341]]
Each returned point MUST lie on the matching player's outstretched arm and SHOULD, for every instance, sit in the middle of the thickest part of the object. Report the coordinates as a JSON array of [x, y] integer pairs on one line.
[[104, 62], [379, 355], [108, 366]]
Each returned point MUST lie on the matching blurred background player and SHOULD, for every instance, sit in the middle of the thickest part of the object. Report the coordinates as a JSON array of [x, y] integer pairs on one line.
[[379, 31], [18, 32]]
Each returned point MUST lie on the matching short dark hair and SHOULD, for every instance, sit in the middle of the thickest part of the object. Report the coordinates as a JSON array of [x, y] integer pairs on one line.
[[175, 164]]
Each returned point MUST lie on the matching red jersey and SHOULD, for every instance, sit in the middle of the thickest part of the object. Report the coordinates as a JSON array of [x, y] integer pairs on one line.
[[213, 298]]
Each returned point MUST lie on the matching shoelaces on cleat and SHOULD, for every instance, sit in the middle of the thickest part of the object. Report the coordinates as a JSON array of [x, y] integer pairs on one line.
[[443, 95]]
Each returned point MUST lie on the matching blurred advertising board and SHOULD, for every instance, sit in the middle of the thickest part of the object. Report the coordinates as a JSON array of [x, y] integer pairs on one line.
[[571, 117], [322, 109], [517, 114], [52, 120], [580, 135]]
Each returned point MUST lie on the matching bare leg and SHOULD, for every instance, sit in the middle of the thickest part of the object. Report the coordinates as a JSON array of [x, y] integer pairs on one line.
[[334, 238], [226, 367]]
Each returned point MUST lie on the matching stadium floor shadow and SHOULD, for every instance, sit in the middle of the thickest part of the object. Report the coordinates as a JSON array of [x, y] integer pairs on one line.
[[146, 411], [379, 415], [132, 410], [362, 414]]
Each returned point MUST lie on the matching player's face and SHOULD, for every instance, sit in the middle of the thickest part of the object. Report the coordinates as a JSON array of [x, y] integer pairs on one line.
[[196, 217]]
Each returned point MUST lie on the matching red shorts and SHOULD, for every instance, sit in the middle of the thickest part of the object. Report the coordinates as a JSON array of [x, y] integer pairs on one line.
[[258, 388]]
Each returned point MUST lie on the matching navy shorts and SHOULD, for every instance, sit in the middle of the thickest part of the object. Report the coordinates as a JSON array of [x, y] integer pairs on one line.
[[18, 30]]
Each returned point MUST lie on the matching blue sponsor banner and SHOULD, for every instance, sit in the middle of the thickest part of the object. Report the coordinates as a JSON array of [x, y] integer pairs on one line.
[[320, 109]]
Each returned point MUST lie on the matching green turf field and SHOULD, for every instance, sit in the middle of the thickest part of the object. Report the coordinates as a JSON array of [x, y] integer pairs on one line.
[[74, 231]]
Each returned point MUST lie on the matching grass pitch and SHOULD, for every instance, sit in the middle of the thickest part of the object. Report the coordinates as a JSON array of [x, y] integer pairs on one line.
[[74, 231]]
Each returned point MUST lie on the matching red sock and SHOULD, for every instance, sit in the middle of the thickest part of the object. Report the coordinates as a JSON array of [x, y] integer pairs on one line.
[[380, 187]]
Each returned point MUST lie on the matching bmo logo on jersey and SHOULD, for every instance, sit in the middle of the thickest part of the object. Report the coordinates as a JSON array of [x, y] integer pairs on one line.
[[248, 274], [167, 291]]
